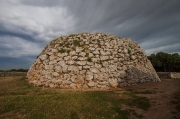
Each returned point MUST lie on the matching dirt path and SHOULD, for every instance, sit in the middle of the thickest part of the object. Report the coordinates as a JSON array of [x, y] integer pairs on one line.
[[163, 94]]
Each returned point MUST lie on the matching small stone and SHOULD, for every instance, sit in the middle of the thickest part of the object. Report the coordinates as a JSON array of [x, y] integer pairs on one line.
[[82, 58], [67, 82], [91, 55], [58, 81], [89, 76], [122, 74], [81, 63], [54, 50], [98, 65], [52, 57], [67, 58], [72, 53], [74, 57], [55, 74], [125, 50], [85, 86], [96, 52], [51, 85], [73, 85], [91, 84], [70, 62], [113, 82], [104, 57], [86, 67], [43, 57], [78, 49], [73, 78], [82, 54], [94, 70]]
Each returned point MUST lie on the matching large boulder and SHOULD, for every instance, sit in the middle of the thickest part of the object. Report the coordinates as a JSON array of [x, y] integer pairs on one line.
[[91, 61]]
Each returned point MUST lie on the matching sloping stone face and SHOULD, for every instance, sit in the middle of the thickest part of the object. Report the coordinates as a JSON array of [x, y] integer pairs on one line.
[[91, 61]]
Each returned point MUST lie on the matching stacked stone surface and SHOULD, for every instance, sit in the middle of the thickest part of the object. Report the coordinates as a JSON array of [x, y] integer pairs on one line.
[[91, 60]]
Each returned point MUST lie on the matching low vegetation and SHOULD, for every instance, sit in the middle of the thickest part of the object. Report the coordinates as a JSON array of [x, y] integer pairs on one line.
[[19, 99], [62, 50], [89, 59]]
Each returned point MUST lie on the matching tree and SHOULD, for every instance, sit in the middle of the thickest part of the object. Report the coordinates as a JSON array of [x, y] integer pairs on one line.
[[165, 62]]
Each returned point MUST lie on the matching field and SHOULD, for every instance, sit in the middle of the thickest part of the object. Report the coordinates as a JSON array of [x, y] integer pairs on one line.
[[19, 100]]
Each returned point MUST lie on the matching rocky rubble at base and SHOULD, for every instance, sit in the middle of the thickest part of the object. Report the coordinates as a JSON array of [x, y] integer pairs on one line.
[[91, 61]]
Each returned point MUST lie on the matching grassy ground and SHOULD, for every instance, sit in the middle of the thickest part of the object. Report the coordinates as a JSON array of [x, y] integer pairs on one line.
[[20, 100]]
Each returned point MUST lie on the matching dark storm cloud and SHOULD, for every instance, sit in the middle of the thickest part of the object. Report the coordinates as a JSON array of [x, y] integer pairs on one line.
[[15, 63], [139, 20], [26, 26]]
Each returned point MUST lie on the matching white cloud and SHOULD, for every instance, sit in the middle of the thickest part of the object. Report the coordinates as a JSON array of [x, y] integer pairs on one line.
[[41, 23]]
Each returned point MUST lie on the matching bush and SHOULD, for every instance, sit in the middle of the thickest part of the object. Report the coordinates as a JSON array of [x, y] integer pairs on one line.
[[89, 59]]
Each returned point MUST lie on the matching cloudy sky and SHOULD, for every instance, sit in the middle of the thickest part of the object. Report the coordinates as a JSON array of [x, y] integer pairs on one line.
[[26, 26]]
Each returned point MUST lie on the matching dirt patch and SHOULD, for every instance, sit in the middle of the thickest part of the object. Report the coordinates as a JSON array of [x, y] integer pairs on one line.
[[161, 95]]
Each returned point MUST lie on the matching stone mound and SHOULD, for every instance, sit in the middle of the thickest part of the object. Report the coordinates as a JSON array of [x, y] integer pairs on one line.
[[93, 60]]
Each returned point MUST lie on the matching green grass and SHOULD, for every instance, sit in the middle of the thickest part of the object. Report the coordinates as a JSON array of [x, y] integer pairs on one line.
[[17, 96], [129, 51], [89, 59], [62, 50], [76, 43], [87, 55]]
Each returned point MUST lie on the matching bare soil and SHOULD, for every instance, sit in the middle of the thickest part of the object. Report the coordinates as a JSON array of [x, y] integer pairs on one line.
[[163, 93]]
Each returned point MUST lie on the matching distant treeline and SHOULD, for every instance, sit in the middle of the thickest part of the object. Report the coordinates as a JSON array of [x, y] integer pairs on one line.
[[15, 70], [164, 62]]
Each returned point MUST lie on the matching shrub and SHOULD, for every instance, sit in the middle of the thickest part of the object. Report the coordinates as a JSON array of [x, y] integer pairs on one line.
[[89, 59], [68, 51], [87, 55], [129, 51], [76, 42], [62, 50]]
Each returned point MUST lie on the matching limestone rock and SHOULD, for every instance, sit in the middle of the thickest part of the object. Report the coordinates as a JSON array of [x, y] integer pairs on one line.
[[89, 76], [91, 84], [73, 85], [94, 70], [113, 82]]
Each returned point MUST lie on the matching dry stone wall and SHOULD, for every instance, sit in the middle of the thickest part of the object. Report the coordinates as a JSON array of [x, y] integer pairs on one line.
[[13, 74], [91, 60], [169, 75]]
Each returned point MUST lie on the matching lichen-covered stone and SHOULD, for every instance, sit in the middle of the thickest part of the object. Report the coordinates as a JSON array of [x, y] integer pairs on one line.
[[91, 61]]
